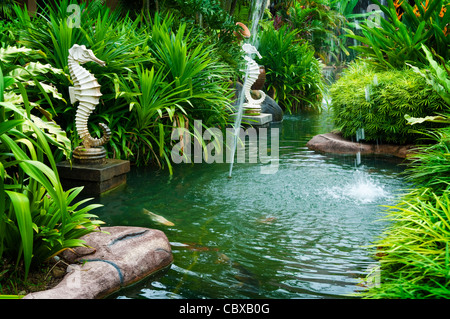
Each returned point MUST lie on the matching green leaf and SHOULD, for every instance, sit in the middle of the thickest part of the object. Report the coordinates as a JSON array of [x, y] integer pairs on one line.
[[417, 120], [54, 134], [21, 206], [10, 53], [8, 125]]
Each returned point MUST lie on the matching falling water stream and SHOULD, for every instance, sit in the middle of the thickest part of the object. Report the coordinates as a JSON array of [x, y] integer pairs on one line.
[[258, 9], [302, 232]]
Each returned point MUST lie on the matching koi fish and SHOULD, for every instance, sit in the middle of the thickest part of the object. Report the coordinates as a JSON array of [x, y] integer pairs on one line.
[[157, 218], [266, 220]]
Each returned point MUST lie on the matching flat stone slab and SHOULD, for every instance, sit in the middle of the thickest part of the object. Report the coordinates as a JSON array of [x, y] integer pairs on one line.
[[94, 172], [336, 144], [96, 178], [255, 120], [124, 256]]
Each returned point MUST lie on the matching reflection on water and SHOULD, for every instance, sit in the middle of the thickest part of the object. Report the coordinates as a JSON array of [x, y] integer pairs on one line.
[[300, 233]]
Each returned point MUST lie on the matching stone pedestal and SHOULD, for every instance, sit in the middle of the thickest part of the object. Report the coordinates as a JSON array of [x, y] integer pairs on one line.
[[96, 178], [260, 120]]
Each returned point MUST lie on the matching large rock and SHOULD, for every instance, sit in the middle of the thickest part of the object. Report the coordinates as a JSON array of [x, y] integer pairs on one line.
[[115, 260], [336, 144], [268, 106]]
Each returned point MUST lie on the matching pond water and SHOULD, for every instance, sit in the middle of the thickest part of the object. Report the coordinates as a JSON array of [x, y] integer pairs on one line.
[[302, 232]]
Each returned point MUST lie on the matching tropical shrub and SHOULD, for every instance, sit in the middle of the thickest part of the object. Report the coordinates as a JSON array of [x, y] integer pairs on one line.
[[316, 22], [6, 9], [429, 165], [193, 67], [414, 250], [187, 69], [38, 219], [399, 37], [293, 74], [339, 48], [437, 75], [210, 12], [321, 23], [113, 38], [186, 83], [378, 102], [6, 34]]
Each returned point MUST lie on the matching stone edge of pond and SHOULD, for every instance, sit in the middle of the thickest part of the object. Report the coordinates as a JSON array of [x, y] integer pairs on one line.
[[334, 143], [117, 257]]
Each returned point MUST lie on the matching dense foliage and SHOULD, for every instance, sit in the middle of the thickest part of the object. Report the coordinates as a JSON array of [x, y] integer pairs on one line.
[[170, 64], [154, 79], [414, 250], [38, 219], [187, 75], [293, 74], [378, 102], [397, 38]]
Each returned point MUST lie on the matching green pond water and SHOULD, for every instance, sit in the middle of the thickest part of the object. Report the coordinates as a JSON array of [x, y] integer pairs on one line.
[[302, 232]]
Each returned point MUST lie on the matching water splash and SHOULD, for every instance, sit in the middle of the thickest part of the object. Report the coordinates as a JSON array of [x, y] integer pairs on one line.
[[362, 189]]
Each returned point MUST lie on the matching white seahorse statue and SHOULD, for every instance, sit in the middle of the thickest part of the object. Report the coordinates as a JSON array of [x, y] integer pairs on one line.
[[86, 91], [252, 76]]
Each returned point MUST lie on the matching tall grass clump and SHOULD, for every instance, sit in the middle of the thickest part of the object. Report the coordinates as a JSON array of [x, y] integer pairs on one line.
[[414, 252]]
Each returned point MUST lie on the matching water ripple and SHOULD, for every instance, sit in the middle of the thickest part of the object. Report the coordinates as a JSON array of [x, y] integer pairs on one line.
[[300, 233]]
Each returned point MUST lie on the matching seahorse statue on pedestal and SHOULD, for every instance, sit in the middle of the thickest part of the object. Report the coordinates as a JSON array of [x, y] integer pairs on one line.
[[252, 75], [86, 91]]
